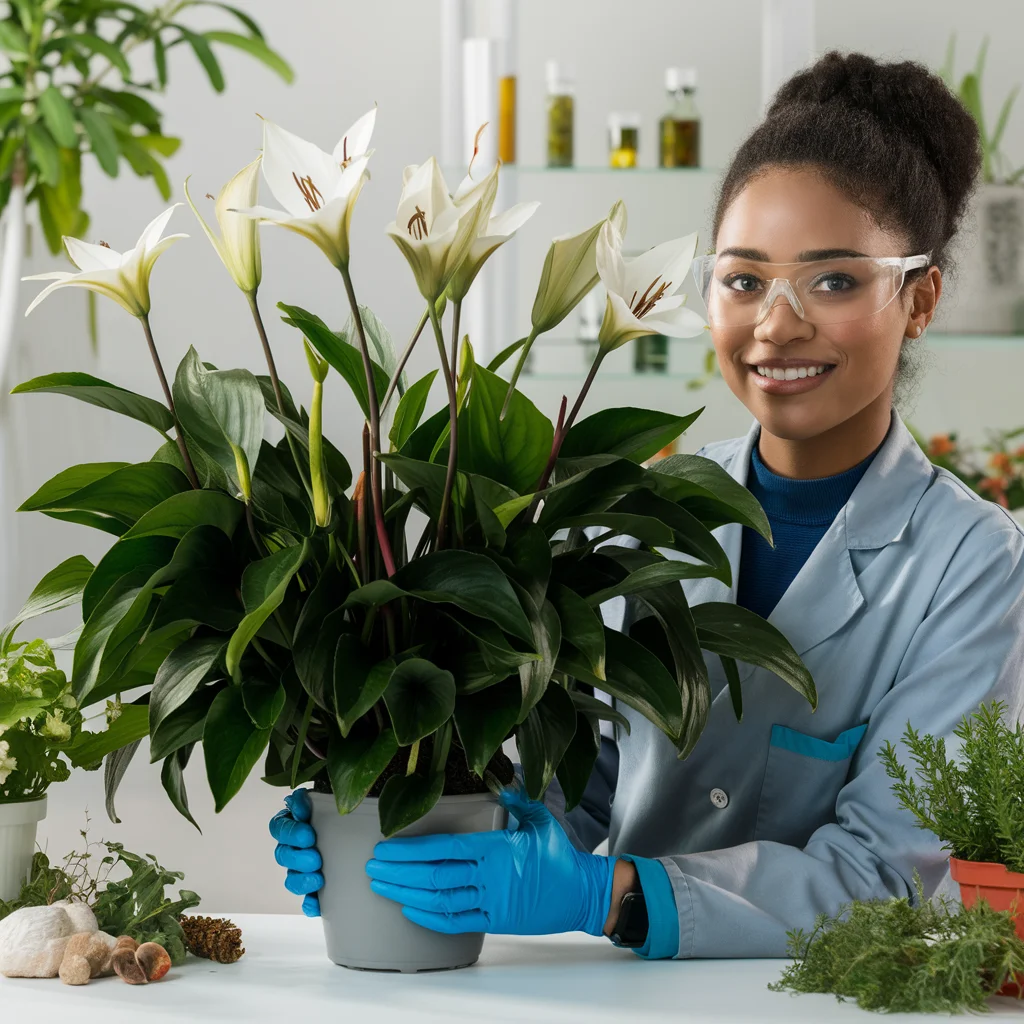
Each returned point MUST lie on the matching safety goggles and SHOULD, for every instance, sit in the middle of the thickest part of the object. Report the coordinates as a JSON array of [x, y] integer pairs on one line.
[[738, 292]]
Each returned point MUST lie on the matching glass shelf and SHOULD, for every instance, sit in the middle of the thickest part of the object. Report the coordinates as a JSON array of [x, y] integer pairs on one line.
[[665, 172], [939, 340]]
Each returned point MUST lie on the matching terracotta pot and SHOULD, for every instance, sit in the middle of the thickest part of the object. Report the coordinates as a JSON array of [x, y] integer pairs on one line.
[[1001, 889]]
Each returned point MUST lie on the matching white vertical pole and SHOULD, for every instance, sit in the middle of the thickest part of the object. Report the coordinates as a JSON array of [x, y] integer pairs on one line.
[[787, 42], [453, 24]]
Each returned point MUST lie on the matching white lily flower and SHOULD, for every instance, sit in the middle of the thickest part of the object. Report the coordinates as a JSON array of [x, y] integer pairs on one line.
[[7, 764], [643, 292], [434, 233], [498, 230], [123, 277], [318, 190], [238, 245]]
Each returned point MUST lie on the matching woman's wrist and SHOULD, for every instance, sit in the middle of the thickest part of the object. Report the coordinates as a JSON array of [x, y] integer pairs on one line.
[[625, 879]]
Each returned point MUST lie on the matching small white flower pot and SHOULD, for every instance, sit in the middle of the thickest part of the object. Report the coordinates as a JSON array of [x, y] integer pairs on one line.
[[18, 823]]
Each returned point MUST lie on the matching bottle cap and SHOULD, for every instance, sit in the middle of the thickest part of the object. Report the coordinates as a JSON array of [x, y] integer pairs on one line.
[[680, 78], [617, 121], [559, 76]]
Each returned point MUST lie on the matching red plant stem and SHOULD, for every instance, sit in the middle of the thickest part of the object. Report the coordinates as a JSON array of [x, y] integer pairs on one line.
[[453, 427], [190, 470], [376, 487]]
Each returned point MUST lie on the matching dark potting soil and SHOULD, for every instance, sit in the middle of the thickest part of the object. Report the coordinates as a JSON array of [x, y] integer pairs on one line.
[[459, 779]]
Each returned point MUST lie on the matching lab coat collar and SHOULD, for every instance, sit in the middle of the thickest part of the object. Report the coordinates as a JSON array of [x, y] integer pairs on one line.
[[825, 594]]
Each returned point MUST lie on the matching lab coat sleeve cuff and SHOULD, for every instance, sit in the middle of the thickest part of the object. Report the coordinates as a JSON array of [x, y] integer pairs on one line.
[[663, 920]]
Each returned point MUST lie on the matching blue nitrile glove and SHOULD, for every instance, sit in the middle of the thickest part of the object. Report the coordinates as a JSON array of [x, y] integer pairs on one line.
[[524, 881], [296, 850]]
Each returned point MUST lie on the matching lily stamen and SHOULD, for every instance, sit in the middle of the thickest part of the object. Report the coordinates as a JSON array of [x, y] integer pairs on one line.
[[313, 196], [647, 300], [417, 226]]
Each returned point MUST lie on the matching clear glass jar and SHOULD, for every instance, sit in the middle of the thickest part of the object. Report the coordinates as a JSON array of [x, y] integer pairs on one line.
[[623, 139], [560, 115], [680, 127]]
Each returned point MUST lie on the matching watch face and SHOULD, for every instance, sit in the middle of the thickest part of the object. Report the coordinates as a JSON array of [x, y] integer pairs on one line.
[[631, 927]]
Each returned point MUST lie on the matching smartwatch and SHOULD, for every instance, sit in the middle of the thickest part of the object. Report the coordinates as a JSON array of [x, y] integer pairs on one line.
[[631, 926]]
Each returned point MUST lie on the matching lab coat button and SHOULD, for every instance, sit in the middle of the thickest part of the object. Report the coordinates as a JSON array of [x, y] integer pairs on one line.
[[720, 798]]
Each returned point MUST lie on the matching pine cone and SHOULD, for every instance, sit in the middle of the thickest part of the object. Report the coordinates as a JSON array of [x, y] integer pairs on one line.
[[213, 938]]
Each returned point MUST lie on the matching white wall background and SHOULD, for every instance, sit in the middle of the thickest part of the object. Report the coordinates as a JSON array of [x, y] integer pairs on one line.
[[348, 56]]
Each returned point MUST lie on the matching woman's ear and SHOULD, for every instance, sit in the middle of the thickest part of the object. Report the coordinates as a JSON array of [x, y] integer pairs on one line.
[[925, 298]]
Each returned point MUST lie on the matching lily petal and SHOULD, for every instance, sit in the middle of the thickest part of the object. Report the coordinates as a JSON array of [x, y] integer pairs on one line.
[[155, 228], [286, 157], [87, 256], [678, 323], [356, 140], [670, 261]]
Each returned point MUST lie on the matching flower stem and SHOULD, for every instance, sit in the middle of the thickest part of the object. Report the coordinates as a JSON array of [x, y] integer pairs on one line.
[[531, 337], [376, 488], [414, 757], [456, 317], [267, 353], [453, 426], [393, 383], [190, 470]]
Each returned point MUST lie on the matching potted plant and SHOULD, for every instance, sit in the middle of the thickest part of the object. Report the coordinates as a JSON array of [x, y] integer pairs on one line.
[[973, 804], [990, 288], [382, 633]]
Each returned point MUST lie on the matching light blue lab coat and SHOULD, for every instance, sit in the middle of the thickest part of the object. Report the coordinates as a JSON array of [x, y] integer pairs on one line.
[[910, 609]]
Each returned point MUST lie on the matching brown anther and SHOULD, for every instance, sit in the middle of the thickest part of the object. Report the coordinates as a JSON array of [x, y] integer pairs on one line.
[[208, 196], [313, 196], [417, 226], [106, 245], [476, 146], [647, 300], [345, 159]]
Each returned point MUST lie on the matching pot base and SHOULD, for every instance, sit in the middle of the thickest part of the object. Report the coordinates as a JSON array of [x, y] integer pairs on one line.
[[375, 969]]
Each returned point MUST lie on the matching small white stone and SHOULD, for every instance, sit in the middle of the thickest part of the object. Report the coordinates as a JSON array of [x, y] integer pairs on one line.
[[32, 941]]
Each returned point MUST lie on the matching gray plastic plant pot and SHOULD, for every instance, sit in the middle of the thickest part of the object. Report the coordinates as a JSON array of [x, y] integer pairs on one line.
[[366, 931]]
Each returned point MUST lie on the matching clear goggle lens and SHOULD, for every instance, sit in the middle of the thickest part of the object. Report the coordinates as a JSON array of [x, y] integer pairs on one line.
[[738, 292]]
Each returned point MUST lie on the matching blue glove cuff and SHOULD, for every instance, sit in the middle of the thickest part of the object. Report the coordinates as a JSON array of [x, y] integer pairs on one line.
[[599, 873]]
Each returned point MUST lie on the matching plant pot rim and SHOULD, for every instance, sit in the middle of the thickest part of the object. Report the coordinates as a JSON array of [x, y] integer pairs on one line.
[[22, 812], [370, 802], [984, 872]]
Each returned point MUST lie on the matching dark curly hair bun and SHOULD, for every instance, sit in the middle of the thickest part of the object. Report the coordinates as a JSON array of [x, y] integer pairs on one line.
[[889, 134]]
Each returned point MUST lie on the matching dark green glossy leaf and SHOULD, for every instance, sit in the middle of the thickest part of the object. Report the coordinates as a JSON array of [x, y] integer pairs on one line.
[[423, 440], [581, 626], [172, 778], [596, 709], [231, 745], [184, 725], [115, 765], [410, 410], [634, 434], [354, 765], [89, 748], [577, 763], [547, 638], [139, 553], [101, 135], [180, 513], [204, 54], [485, 719], [92, 646], [59, 588], [264, 700], [513, 450], [45, 153], [732, 675], [644, 528], [59, 117], [358, 682], [180, 675], [405, 799], [420, 698], [94, 391], [255, 48], [658, 573], [544, 737], [592, 486], [739, 633]]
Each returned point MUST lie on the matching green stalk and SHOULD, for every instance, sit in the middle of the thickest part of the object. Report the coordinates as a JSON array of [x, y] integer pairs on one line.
[[396, 376], [414, 756], [453, 427], [530, 338], [300, 742]]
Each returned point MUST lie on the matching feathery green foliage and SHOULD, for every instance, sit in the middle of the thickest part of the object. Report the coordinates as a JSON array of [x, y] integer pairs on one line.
[[975, 803], [911, 957]]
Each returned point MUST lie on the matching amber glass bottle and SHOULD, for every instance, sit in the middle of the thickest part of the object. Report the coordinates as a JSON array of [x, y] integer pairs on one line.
[[680, 127]]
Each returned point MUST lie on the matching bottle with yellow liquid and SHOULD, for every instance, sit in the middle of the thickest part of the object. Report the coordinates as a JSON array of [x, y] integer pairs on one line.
[[680, 127], [623, 139], [561, 114]]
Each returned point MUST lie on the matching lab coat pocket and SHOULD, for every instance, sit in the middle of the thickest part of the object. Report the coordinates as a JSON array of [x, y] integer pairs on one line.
[[802, 779]]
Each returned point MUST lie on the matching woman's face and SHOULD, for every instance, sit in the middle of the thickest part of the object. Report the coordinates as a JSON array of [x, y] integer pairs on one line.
[[784, 213]]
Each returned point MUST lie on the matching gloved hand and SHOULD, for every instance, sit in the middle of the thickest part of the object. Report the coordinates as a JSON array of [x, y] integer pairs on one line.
[[296, 850], [524, 881]]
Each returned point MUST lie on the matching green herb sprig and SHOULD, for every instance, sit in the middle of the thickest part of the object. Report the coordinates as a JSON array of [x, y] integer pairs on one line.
[[909, 957]]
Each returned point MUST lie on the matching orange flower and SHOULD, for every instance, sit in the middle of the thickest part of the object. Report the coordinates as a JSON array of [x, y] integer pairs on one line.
[[1000, 462], [941, 444], [993, 485], [1019, 453]]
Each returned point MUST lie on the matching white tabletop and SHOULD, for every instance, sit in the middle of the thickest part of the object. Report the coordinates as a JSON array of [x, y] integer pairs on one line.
[[285, 977]]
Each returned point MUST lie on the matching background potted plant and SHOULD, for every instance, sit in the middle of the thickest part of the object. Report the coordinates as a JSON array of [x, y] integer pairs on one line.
[[384, 639], [990, 288], [973, 804]]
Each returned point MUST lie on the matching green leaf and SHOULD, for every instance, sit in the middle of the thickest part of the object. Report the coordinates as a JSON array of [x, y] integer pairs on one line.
[[264, 584], [59, 117], [204, 54], [182, 512], [59, 588], [342, 356], [658, 573], [634, 434], [466, 579], [139, 109], [423, 441], [223, 410], [114, 767], [405, 799], [185, 725], [101, 135], [505, 354], [264, 701], [44, 153], [732, 675], [144, 554], [231, 745], [420, 698], [737, 632], [581, 626], [180, 675], [244, 18], [94, 44], [547, 639], [13, 41], [591, 484], [358, 683], [255, 48], [633, 675], [648, 529], [410, 410], [485, 719], [94, 391], [93, 644], [172, 778], [598, 710], [89, 748], [513, 450], [544, 737], [354, 765], [378, 340], [707, 491], [108, 491], [578, 761]]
